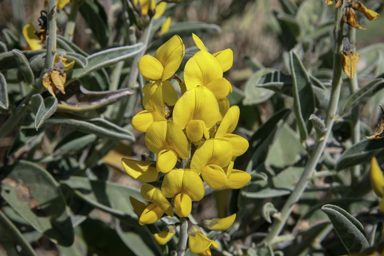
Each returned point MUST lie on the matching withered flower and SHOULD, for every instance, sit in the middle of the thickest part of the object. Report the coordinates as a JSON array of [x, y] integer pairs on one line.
[[349, 59], [380, 128], [42, 32], [338, 3], [55, 78], [350, 16]]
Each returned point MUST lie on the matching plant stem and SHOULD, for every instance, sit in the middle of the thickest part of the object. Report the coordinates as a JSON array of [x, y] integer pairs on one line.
[[355, 122], [51, 41], [329, 120], [70, 28], [182, 244]]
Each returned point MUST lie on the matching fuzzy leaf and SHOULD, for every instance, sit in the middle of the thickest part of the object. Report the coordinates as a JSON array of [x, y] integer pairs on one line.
[[69, 46], [24, 67], [255, 94], [4, 103], [43, 109], [268, 210], [8, 61]]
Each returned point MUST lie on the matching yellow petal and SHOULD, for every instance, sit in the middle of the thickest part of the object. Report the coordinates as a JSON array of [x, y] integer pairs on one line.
[[137, 205], [142, 120], [153, 194], [47, 82], [220, 224], [239, 144], [214, 176], [141, 170], [169, 94], [370, 14], [165, 235], [350, 18], [151, 214], [156, 136], [238, 179], [329, 2], [153, 97], [58, 80], [30, 37], [183, 205], [197, 104], [172, 183], [198, 243], [61, 4], [196, 129], [220, 87], [166, 160], [69, 65], [160, 9], [381, 205], [377, 178], [199, 43], [206, 253], [150, 68], [201, 69], [225, 58], [193, 185], [349, 63], [165, 27], [229, 123], [223, 106], [170, 56], [178, 140], [213, 151]]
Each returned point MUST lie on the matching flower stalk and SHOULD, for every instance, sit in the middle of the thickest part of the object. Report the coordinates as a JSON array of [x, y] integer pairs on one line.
[[70, 28], [329, 120], [182, 244]]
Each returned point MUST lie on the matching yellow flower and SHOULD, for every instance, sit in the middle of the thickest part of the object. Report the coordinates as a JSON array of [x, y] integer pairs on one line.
[[165, 235], [30, 37], [138, 206], [141, 170], [154, 211], [198, 242], [168, 141], [184, 186], [60, 4], [220, 224], [377, 181], [165, 27]]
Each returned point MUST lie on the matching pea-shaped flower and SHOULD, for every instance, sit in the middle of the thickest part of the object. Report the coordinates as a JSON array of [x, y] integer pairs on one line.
[[198, 242], [184, 186]]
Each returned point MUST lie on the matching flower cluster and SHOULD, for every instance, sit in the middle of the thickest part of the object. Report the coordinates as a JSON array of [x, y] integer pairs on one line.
[[191, 135]]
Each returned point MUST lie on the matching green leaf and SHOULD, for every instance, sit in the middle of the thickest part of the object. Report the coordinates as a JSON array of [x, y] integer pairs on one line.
[[105, 58], [73, 142], [11, 39], [359, 153], [80, 60], [3, 47], [104, 195], [24, 67], [37, 62], [304, 100], [23, 137], [4, 103], [94, 14], [350, 230], [35, 195], [310, 13], [268, 211], [288, 6], [96, 126], [290, 29], [69, 46], [253, 93], [79, 99], [8, 61], [11, 240], [43, 108], [365, 92], [253, 63]]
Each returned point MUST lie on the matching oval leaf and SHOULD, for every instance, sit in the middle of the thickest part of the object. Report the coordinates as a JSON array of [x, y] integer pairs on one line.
[[67, 45], [43, 108], [24, 67], [4, 103], [255, 94], [349, 229], [303, 97], [35, 195], [8, 61]]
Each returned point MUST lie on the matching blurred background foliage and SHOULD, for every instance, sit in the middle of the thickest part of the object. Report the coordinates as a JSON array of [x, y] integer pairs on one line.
[[74, 200]]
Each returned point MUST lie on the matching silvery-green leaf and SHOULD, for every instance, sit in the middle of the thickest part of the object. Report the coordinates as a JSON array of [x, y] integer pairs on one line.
[[3, 47], [288, 6], [12, 241], [43, 109], [35, 195], [96, 126], [349, 229], [8, 61], [253, 63], [24, 67], [23, 137], [69, 46], [10, 38], [253, 93], [268, 210], [4, 103]]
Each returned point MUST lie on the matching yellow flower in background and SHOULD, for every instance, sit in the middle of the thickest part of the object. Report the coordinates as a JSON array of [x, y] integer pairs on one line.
[[377, 181], [30, 37], [165, 27], [183, 185], [159, 206], [165, 235], [168, 141], [198, 242]]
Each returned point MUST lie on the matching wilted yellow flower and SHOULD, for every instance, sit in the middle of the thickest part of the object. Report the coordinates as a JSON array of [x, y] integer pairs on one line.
[[338, 3], [350, 16], [380, 128], [349, 59]]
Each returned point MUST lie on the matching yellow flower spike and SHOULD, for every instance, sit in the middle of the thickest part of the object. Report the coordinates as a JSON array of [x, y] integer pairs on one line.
[[196, 130], [199, 43], [237, 179], [349, 63], [141, 170], [220, 224], [220, 87], [370, 14], [225, 58], [201, 69], [30, 37], [165, 235], [213, 151], [198, 242], [167, 135], [239, 144], [214, 176], [151, 214], [377, 178], [137, 205], [229, 122], [350, 18], [160, 9], [165, 27], [197, 104], [183, 205], [166, 160], [154, 195]]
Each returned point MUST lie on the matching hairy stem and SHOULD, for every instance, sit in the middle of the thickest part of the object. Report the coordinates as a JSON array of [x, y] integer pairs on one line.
[[329, 120], [70, 28], [182, 244], [51, 41]]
